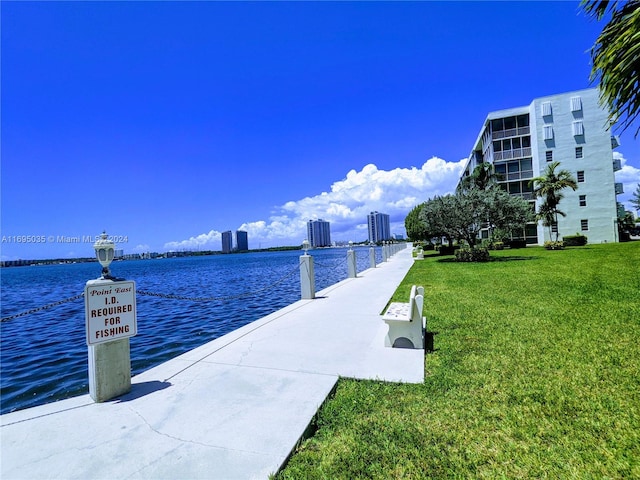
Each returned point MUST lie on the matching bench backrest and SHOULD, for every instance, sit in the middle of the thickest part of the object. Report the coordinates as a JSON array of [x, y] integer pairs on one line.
[[416, 302]]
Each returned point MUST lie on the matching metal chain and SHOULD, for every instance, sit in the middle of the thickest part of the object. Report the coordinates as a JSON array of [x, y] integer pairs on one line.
[[337, 263], [161, 295], [34, 310]]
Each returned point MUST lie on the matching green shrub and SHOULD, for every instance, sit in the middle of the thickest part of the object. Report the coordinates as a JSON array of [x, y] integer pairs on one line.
[[518, 243], [576, 240], [478, 254], [493, 244], [447, 250], [554, 245]]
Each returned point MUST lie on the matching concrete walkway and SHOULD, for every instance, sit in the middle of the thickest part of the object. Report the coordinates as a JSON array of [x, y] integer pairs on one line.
[[234, 408]]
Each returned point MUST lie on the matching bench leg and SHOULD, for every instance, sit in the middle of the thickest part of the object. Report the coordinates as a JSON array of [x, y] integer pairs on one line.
[[404, 335]]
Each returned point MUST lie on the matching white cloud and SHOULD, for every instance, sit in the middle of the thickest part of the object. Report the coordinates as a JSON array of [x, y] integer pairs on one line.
[[349, 200], [629, 176], [204, 241], [346, 205], [141, 248]]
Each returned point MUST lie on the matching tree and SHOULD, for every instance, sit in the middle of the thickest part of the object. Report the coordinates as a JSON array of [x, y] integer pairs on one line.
[[616, 58], [464, 215], [548, 186], [506, 212], [483, 177], [547, 215], [626, 225], [635, 199], [436, 215], [415, 227]]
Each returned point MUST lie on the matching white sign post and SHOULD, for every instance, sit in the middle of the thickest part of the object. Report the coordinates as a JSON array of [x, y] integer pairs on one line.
[[110, 313]]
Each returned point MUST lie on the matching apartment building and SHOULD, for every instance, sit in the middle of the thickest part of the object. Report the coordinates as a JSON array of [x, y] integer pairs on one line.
[[227, 242], [379, 227], [319, 233], [573, 129], [242, 241]]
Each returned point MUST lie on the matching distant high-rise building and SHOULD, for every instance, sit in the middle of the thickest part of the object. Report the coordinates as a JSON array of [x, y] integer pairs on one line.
[[227, 242], [242, 241], [379, 229], [318, 233]]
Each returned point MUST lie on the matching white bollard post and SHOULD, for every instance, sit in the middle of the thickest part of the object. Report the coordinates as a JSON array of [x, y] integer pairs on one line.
[[384, 252], [372, 257], [110, 310], [351, 262], [109, 370], [307, 274]]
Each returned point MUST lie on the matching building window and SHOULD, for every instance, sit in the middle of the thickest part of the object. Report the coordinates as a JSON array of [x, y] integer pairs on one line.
[[583, 200], [549, 155], [526, 168], [578, 128], [546, 109], [576, 104], [578, 152], [580, 176], [584, 225], [548, 132]]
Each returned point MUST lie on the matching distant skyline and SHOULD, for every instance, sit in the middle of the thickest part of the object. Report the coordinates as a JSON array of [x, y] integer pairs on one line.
[[168, 123]]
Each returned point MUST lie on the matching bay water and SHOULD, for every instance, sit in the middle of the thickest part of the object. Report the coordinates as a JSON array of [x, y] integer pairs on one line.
[[43, 356]]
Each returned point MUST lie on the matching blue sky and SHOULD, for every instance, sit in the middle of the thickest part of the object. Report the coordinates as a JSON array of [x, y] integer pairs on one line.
[[167, 123]]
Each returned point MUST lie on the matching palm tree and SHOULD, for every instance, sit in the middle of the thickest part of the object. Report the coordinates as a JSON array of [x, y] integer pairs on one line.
[[616, 58], [549, 187], [483, 177], [635, 199], [547, 215]]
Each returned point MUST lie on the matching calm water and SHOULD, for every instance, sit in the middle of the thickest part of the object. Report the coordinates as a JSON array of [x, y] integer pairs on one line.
[[44, 354]]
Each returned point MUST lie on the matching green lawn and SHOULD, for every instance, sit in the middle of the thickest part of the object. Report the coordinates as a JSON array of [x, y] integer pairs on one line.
[[535, 374]]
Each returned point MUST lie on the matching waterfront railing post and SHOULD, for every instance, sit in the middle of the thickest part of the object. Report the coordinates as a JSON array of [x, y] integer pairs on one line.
[[384, 252], [372, 257], [307, 274], [351, 262], [110, 311]]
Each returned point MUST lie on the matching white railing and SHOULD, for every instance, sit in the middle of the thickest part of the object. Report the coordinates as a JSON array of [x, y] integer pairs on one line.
[[515, 153], [511, 132]]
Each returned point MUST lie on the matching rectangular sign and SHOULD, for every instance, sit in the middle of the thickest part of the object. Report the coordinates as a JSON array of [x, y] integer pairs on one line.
[[110, 311]]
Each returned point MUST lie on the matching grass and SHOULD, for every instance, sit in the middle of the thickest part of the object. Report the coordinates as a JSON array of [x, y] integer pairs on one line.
[[535, 373]]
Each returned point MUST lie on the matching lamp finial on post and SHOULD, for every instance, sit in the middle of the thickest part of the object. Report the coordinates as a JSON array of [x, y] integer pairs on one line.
[[105, 250]]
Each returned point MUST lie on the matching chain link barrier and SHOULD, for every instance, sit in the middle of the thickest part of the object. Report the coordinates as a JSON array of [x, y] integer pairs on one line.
[[337, 263], [162, 295], [39, 309]]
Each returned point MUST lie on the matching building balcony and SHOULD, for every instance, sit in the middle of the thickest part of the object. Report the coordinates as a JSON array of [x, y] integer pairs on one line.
[[615, 141], [509, 154], [619, 188], [617, 164], [512, 132]]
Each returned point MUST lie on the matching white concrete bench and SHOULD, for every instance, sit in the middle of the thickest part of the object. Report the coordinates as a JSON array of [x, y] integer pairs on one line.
[[405, 321]]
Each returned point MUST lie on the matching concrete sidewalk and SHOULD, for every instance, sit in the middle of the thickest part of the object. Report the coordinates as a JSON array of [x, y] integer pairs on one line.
[[234, 408]]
